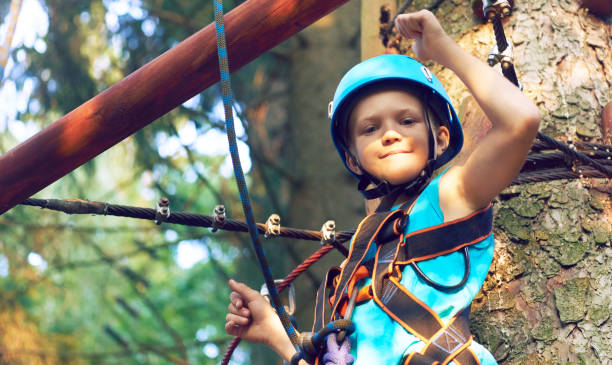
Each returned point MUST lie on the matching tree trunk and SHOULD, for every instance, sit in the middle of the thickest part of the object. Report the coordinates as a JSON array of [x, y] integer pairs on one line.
[[547, 297], [321, 55]]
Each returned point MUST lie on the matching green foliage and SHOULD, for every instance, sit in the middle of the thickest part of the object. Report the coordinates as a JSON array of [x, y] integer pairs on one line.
[[110, 290]]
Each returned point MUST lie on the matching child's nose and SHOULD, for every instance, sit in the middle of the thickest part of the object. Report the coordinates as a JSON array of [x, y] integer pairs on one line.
[[390, 136]]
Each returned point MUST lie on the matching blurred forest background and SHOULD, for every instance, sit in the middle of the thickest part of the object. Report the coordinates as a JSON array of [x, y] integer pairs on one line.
[[108, 290]]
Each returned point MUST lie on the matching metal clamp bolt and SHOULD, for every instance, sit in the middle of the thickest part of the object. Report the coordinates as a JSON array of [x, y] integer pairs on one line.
[[329, 232], [218, 218], [162, 210], [493, 8], [273, 226], [506, 58]]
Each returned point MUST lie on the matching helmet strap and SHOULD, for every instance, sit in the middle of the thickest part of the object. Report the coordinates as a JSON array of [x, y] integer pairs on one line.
[[433, 141]]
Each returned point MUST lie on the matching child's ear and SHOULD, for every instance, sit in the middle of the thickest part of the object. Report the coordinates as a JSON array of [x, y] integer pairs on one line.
[[352, 164], [442, 139]]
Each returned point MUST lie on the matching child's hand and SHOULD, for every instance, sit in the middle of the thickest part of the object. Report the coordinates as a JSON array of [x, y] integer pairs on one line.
[[251, 317], [430, 40]]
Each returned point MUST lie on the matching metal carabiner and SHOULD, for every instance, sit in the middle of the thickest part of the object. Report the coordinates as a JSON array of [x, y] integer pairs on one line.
[[290, 309], [466, 273]]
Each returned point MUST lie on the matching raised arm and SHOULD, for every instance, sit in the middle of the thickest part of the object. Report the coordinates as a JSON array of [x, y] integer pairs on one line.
[[497, 159]]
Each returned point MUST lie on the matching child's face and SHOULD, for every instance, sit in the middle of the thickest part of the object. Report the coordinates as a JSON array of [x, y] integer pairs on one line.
[[388, 136]]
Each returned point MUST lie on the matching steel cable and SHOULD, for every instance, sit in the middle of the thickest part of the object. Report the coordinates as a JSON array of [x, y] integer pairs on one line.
[[75, 206]]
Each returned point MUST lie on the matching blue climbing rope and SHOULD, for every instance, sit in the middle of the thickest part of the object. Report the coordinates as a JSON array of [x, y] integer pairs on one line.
[[240, 181]]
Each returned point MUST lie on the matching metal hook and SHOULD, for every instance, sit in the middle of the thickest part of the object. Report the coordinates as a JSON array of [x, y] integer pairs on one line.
[[329, 232], [162, 210], [273, 226], [218, 218]]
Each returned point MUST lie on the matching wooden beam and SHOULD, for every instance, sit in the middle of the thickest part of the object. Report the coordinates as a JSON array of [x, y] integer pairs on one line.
[[252, 28]]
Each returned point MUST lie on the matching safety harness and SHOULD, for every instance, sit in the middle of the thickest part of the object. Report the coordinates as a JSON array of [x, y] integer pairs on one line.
[[395, 250]]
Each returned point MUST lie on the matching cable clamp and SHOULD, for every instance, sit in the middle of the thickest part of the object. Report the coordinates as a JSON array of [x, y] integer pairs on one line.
[[506, 58], [273, 226], [493, 8], [218, 218], [162, 210], [329, 232], [289, 299]]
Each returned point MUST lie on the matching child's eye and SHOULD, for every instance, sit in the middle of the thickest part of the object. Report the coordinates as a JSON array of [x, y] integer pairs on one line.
[[407, 121], [369, 129]]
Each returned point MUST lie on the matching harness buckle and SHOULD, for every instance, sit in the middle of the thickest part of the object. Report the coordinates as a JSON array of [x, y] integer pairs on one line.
[[162, 210], [290, 299], [273, 226], [329, 232]]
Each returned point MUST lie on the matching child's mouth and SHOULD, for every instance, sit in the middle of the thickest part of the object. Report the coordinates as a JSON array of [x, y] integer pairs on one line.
[[393, 153]]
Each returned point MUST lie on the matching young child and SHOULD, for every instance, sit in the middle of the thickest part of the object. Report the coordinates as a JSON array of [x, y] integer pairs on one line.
[[393, 124]]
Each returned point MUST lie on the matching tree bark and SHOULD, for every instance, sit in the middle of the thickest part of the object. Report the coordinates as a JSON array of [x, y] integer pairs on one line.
[[547, 297]]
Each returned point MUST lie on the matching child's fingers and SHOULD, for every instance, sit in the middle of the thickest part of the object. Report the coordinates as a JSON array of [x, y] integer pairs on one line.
[[244, 312], [408, 26], [237, 319], [233, 329], [236, 299]]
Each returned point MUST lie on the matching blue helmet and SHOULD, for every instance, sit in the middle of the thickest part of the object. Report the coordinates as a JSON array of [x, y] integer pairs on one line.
[[400, 71]]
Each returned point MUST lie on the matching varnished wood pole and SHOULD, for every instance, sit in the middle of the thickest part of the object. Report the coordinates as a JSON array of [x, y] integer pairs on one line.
[[252, 28]]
